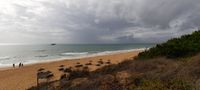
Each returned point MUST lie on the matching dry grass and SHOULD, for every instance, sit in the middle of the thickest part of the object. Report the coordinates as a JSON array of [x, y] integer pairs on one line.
[[154, 74]]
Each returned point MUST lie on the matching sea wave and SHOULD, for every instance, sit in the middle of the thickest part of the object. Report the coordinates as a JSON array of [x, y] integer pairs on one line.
[[42, 50], [5, 58], [117, 51], [42, 56], [100, 53], [73, 53], [65, 56]]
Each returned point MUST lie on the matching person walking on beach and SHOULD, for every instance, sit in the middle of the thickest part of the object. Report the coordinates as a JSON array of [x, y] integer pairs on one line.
[[20, 64], [13, 65]]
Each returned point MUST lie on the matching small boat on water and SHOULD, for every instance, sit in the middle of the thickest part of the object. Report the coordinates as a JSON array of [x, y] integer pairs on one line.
[[53, 44]]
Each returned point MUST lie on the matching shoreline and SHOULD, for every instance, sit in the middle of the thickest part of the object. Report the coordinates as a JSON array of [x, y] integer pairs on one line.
[[25, 77], [105, 53]]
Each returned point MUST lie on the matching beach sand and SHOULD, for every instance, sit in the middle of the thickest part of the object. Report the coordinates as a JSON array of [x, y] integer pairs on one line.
[[25, 77]]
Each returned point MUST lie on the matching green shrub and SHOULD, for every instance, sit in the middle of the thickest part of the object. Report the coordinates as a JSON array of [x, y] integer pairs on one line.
[[174, 84], [149, 85], [186, 45], [177, 84]]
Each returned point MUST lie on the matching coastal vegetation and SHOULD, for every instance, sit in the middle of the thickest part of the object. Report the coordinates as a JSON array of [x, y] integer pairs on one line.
[[152, 74], [173, 65], [184, 46]]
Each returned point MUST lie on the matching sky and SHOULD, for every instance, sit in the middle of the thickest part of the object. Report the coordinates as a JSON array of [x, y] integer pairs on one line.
[[96, 21]]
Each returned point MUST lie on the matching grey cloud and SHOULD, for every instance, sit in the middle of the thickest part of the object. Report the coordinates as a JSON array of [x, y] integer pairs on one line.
[[98, 21]]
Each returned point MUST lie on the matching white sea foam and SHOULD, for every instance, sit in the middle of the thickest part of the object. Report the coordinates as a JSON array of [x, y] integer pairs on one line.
[[73, 53], [4, 65]]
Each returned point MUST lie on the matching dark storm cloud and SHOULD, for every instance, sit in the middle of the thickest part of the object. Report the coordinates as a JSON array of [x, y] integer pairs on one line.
[[97, 21]]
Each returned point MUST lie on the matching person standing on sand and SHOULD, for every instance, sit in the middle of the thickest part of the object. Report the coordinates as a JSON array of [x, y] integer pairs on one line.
[[13, 65], [20, 64]]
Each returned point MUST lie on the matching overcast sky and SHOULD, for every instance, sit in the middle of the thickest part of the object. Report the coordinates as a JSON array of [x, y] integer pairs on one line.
[[96, 21]]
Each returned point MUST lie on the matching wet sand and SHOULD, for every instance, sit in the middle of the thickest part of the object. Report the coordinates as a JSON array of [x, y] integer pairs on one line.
[[25, 77]]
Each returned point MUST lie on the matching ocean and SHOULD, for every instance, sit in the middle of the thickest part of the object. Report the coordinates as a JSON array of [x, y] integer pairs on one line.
[[28, 54]]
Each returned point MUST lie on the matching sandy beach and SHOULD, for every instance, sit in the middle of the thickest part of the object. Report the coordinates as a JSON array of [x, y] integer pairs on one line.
[[25, 77]]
